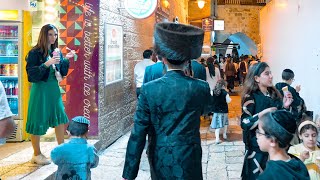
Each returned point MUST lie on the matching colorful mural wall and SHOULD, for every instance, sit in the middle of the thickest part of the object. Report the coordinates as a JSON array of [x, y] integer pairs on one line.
[[79, 31]]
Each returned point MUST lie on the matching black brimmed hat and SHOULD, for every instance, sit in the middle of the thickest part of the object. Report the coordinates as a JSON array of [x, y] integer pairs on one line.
[[178, 42]]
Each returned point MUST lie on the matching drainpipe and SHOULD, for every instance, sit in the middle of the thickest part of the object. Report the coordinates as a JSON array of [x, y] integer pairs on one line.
[[213, 15], [213, 9]]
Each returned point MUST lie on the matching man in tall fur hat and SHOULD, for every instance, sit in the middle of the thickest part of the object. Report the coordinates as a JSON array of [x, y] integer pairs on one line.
[[172, 120]]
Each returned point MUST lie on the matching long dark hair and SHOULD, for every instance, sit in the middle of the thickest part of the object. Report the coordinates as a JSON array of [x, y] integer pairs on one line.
[[211, 67], [251, 86], [42, 43]]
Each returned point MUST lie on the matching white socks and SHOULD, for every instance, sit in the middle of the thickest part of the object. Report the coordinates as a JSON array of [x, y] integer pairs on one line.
[[225, 132], [217, 132]]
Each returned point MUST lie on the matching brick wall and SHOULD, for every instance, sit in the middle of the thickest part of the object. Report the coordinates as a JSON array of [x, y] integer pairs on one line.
[[239, 18], [117, 102]]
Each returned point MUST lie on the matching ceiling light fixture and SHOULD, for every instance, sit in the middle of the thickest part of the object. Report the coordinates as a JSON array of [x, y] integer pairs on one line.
[[201, 3]]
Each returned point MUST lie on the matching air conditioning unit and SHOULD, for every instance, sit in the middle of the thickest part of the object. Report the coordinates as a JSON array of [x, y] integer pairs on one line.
[[17, 134]]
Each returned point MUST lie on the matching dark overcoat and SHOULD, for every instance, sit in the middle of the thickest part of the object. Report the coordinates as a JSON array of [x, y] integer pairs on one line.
[[153, 72], [199, 71], [169, 111]]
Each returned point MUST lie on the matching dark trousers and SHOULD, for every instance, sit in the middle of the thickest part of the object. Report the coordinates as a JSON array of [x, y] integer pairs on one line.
[[230, 81], [242, 78], [138, 92]]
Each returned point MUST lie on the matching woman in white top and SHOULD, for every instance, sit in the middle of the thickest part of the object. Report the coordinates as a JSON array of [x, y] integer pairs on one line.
[[213, 74]]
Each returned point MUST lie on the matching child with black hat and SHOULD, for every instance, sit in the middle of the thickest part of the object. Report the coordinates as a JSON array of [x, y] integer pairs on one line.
[[75, 158], [274, 133]]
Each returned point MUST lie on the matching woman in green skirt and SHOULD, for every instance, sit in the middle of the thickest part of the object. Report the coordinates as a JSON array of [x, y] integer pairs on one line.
[[45, 105]]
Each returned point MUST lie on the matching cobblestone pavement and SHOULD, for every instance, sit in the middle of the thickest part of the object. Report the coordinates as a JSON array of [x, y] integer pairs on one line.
[[221, 162]]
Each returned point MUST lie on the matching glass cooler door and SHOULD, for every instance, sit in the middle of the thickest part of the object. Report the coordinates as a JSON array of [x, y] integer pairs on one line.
[[9, 60]]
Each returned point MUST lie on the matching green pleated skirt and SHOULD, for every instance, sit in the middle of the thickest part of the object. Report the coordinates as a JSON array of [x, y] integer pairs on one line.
[[46, 108]]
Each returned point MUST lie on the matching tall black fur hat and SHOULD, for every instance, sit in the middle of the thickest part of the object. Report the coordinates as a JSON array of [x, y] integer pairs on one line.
[[177, 41]]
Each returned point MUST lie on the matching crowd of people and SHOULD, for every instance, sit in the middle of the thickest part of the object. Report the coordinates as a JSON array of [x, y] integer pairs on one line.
[[233, 69], [174, 90], [274, 118]]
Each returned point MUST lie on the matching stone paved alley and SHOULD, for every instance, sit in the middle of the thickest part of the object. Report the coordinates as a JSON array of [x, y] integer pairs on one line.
[[220, 162]]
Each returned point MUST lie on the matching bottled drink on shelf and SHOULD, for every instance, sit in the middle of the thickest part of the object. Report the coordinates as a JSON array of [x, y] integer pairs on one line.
[[11, 33], [6, 69], [16, 88], [14, 107], [13, 70], [6, 29], [10, 87], [9, 49], [2, 49], [12, 90], [1, 32], [5, 85], [8, 32], [15, 50], [1, 69], [9, 92]]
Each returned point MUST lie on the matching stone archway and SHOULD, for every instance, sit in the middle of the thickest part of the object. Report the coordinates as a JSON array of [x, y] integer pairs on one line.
[[247, 45]]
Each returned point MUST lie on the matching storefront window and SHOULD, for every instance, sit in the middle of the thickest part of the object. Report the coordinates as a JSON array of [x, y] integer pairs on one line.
[[43, 12]]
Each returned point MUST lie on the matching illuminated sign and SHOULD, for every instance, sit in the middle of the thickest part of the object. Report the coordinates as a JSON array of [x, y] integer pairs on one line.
[[9, 15], [140, 9], [218, 25], [207, 24]]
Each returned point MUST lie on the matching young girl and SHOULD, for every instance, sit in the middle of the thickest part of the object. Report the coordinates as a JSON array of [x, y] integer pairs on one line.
[[307, 151], [274, 133], [75, 158], [259, 97], [220, 109]]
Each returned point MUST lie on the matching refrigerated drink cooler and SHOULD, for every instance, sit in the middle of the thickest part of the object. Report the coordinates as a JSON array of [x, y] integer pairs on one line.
[[10, 59]]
